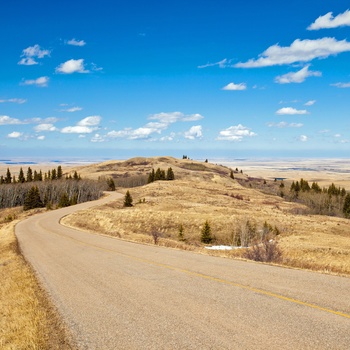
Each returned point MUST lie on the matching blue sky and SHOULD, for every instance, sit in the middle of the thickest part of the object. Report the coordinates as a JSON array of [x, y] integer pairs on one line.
[[114, 79]]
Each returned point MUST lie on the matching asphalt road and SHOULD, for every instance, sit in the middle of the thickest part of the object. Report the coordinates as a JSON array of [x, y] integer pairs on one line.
[[114, 294]]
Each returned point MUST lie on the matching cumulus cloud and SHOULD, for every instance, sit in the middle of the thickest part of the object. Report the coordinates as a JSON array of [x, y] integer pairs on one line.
[[90, 121], [40, 82], [14, 100], [303, 138], [235, 87], [299, 51], [15, 135], [195, 132], [341, 85], [221, 64], [291, 111], [297, 77], [285, 125], [45, 127], [41, 138], [72, 66], [97, 138], [84, 126], [310, 103], [31, 53], [235, 133], [329, 21], [6, 120], [75, 42]]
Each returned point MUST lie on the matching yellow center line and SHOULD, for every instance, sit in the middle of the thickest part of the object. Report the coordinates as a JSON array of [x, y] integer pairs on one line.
[[216, 279]]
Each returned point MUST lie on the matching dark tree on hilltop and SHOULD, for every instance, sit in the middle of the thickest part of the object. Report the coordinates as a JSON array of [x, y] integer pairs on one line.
[[170, 174], [21, 177], [59, 172], [8, 177], [127, 199], [29, 175]]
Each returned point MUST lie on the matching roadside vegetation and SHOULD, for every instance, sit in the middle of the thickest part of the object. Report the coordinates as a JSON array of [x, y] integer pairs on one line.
[[28, 321]]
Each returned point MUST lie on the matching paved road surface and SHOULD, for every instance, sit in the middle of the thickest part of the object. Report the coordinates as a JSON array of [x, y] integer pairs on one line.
[[119, 295]]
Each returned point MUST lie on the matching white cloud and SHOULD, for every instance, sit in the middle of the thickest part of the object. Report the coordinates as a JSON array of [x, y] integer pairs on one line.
[[31, 53], [235, 87], [297, 77], [90, 121], [72, 109], [285, 125], [45, 127], [14, 135], [6, 120], [329, 21], [303, 138], [75, 42], [299, 51], [77, 129], [173, 117], [291, 111], [72, 66], [222, 64], [310, 103], [40, 82], [341, 85], [14, 100], [97, 138], [195, 132], [84, 126], [41, 138], [235, 133]]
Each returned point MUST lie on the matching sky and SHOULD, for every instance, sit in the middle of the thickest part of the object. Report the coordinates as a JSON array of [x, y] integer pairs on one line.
[[207, 79]]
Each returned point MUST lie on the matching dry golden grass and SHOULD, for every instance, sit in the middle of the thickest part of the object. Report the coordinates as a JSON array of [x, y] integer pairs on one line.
[[28, 321], [205, 192]]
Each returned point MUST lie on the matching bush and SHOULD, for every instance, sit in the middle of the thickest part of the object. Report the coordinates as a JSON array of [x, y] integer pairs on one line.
[[266, 251]]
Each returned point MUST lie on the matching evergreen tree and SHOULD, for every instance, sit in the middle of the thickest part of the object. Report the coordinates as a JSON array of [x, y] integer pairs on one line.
[[8, 177], [32, 199], [59, 172], [170, 174], [158, 175], [127, 199], [53, 174], [231, 174], [29, 175], [110, 184], [151, 176], [21, 178], [346, 207], [64, 201], [206, 236], [2, 180], [75, 176]]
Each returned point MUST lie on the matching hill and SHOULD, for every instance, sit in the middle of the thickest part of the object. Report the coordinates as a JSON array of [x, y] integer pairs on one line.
[[205, 192]]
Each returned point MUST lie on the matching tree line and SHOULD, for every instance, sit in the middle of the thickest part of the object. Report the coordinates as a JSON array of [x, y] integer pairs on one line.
[[34, 176], [160, 174]]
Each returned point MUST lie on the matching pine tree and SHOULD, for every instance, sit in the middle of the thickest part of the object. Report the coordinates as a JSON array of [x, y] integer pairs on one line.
[[127, 199], [206, 236], [346, 207], [59, 172], [64, 201], [231, 174], [170, 174], [8, 177], [151, 176], [21, 178], [110, 184], [32, 199], [29, 175], [53, 174]]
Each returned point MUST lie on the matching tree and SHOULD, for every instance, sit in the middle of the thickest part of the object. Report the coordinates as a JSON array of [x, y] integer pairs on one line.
[[346, 207], [32, 199], [170, 174], [128, 200], [59, 172], [29, 175], [231, 174], [151, 176], [206, 236], [53, 174], [21, 177], [181, 235], [64, 201], [110, 184], [8, 177]]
